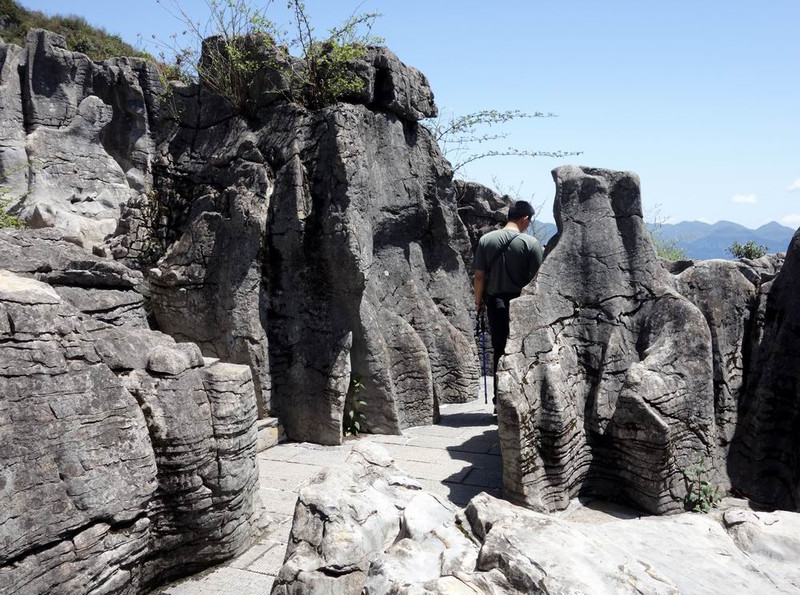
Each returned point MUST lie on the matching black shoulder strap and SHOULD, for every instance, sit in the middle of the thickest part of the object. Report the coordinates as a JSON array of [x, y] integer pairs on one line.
[[500, 253]]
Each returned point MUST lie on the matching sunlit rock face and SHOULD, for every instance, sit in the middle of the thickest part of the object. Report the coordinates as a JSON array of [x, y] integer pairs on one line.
[[624, 372], [127, 458], [77, 140], [321, 247], [607, 387], [364, 526]]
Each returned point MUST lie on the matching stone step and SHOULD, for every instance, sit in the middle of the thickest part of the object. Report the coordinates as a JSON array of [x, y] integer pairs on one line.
[[270, 433]]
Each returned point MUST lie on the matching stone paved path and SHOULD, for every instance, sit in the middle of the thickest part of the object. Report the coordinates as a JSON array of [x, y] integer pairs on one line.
[[457, 458]]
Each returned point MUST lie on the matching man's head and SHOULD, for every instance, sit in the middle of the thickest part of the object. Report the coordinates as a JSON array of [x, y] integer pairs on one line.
[[521, 210]]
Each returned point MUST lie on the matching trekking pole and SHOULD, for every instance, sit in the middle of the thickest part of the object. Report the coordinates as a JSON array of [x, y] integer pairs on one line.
[[483, 348]]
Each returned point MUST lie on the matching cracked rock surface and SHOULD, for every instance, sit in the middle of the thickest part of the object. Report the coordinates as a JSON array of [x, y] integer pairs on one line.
[[623, 372], [321, 247], [607, 383], [765, 458], [127, 458], [76, 142], [365, 527]]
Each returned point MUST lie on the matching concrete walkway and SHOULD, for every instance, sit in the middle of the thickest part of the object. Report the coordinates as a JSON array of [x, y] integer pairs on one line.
[[457, 458]]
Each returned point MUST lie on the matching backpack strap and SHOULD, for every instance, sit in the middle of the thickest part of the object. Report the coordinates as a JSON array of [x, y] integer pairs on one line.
[[500, 253]]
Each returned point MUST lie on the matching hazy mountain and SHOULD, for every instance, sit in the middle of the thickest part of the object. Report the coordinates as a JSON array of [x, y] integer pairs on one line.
[[706, 240]]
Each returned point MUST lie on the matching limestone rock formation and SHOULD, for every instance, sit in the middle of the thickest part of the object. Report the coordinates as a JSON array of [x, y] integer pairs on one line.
[[729, 294], [606, 385], [765, 461], [481, 209], [619, 376], [365, 528], [76, 137], [320, 247], [128, 458], [316, 246]]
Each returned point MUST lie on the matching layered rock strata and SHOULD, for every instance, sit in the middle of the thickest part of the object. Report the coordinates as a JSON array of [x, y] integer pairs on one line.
[[365, 527], [765, 462], [317, 247], [607, 382], [76, 138], [128, 457], [322, 248]]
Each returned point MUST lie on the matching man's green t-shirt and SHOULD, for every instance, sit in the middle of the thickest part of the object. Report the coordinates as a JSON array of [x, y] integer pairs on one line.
[[515, 267]]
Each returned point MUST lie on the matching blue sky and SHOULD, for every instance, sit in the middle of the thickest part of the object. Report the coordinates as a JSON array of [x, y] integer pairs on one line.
[[701, 99]]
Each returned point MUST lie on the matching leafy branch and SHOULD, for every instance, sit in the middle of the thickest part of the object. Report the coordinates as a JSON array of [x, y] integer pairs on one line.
[[459, 137], [701, 494], [238, 41], [354, 417]]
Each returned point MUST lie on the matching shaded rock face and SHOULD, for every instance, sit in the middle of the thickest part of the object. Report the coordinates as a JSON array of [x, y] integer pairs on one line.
[[606, 386], [765, 460], [481, 209], [76, 136], [365, 527], [729, 294], [319, 248], [128, 458]]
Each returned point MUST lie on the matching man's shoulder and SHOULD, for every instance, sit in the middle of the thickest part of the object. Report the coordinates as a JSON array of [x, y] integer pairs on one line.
[[490, 238], [494, 237]]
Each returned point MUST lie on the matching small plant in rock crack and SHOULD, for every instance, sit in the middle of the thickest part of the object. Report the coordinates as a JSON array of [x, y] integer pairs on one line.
[[701, 494], [354, 417], [7, 220]]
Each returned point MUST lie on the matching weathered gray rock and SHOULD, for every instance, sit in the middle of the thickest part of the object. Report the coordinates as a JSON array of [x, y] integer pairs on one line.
[[13, 159], [266, 262], [726, 292], [688, 553], [77, 139], [107, 292], [396, 87], [765, 462], [607, 382], [348, 515], [114, 484], [328, 248], [82, 194], [730, 294], [365, 518]]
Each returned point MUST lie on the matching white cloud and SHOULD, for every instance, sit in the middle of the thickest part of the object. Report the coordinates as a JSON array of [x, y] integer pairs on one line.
[[791, 220], [794, 186], [745, 198]]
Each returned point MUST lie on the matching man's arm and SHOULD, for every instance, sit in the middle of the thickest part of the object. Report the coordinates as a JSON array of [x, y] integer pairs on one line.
[[478, 283]]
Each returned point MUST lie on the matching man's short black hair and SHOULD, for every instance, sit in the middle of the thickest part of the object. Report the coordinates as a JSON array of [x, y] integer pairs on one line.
[[520, 209]]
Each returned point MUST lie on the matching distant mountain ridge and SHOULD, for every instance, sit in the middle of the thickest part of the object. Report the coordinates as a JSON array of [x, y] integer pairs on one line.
[[710, 240], [703, 241]]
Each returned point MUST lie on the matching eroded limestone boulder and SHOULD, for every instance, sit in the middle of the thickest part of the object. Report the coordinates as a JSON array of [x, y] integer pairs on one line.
[[120, 468], [607, 384], [348, 516], [364, 527], [765, 461], [327, 249], [77, 136]]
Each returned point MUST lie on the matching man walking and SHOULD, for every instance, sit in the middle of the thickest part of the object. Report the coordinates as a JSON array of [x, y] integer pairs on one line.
[[506, 260]]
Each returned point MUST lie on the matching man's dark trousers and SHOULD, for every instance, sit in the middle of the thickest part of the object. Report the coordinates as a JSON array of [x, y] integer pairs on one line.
[[497, 313]]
